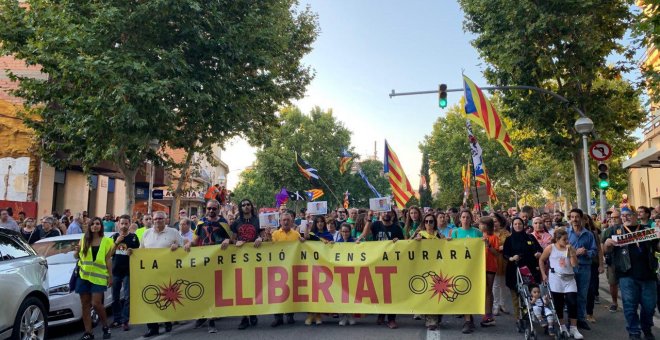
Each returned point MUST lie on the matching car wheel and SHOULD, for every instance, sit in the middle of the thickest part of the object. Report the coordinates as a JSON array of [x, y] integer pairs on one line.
[[31, 321]]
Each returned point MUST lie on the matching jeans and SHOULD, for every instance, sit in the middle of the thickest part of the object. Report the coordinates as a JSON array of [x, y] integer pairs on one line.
[[593, 289], [634, 293], [582, 278], [120, 304]]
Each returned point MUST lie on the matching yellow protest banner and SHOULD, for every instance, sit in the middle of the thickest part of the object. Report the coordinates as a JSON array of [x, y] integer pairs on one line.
[[404, 277]]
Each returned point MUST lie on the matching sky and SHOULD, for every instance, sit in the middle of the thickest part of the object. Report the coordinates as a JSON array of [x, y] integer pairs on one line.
[[366, 49]]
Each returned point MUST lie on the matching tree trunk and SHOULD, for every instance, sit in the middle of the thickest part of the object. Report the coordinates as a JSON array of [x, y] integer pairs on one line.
[[176, 195], [129, 181], [578, 168]]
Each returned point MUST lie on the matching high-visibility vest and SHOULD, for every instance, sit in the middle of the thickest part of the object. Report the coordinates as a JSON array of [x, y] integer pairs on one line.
[[95, 272]]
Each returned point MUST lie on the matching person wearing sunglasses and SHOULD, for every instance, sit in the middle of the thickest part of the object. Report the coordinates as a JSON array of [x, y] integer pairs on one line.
[[212, 230], [244, 229], [429, 231]]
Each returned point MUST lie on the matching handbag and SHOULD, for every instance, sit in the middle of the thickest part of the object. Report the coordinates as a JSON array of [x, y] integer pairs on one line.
[[74, 278]]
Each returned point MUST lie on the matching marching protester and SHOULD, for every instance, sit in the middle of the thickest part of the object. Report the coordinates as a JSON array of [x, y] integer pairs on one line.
[[520, 250], [541, 235], [94, 255], [499, 223], [246, 229], [412, 222], [635, 267], [123, 241], [492, 242], [597, 267], [185, 229], [430, 232], [612, 223], [388, 228], [161, 236], [585, 247], [285, 233], [562, 258], [6, 222], [443, 226], [147, 222], [30, 232], [48, 228], [465, 230], [212, 230]]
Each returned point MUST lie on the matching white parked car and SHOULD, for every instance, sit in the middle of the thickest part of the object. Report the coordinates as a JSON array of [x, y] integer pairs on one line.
[[23, 287], [65, 305]]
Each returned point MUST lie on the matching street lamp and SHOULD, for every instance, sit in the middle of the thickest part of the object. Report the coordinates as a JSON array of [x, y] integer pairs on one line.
[[154, 145], [585, 126]]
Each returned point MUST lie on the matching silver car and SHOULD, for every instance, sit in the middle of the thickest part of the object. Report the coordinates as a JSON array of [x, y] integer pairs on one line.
[[65, 306], [23, 289]]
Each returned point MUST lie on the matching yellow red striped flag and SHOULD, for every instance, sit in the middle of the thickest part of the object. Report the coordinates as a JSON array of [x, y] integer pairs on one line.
[[401, 189], [482, 112]]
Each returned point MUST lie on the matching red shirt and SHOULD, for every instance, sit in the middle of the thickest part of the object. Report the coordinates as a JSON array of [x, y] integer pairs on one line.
[[491, 259]]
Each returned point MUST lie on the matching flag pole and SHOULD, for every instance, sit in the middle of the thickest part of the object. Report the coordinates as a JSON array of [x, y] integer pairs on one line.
[[469, 128], [332, 192]]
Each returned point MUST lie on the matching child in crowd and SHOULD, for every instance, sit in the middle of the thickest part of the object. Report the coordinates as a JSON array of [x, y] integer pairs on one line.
[[540, 307]]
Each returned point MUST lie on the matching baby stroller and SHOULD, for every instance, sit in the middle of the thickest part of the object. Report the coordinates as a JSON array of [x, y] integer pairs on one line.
[[528, 319]]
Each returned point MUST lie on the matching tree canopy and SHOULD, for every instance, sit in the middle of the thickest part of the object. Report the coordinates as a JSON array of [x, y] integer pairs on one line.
[[561, 46], [318, 138], [186, 73]]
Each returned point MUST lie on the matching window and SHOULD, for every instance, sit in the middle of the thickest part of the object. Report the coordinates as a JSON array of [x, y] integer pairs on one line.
[[10, 249]]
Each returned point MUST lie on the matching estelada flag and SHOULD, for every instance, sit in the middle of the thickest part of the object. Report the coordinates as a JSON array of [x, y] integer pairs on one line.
[[482, 112], [314, 194], [401, 188], [310, 173], [344, 160]]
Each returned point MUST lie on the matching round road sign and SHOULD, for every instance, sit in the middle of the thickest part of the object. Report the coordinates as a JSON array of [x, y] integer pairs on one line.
[[600, 150]]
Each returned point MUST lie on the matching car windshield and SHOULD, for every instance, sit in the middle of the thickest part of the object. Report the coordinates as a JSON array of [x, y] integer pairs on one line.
[[56, 251]]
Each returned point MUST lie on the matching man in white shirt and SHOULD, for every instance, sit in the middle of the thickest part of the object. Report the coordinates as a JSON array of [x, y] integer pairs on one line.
[[161, 236]]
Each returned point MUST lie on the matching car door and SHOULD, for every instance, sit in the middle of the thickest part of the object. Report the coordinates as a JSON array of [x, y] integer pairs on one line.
[[21, 272]]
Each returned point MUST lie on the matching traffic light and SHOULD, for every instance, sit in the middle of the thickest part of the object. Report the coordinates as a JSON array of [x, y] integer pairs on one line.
[[603, 175], [442, 94]]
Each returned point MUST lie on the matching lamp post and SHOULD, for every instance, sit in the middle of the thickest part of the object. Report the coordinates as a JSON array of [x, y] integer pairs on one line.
[[154, 145], [585, 126]]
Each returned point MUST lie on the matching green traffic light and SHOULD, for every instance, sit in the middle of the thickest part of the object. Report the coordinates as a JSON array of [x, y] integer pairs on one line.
[[603, 184], [443, 103]]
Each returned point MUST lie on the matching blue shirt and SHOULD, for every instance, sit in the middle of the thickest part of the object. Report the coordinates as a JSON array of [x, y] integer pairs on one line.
[[585, 239], [74, 228], [446, 232]]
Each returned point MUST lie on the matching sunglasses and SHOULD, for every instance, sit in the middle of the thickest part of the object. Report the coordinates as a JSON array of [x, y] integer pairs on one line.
[[211, 208], [158, 218], [429, 221]]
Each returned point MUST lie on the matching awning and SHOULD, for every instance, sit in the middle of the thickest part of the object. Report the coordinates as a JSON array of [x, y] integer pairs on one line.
[[649, 158]]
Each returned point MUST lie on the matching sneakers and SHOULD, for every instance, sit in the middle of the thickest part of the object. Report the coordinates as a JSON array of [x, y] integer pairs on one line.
[[212, 330], [245, 322], [125, 327], [648, 335], [199, 323], [309, 319], [468, 327], [317, 319], [380, 320], [351, 320], [417, 317], [343, 321], [583, 325], [87, 336], [487, 322], [591, 318], [106, 333], [392, 324], [503, 310], [277, 322], [575, 333], [613, 308], [496, 311], [597, 300]]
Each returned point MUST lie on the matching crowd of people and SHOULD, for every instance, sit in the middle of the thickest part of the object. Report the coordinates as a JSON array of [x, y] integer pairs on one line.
[[567, 254]]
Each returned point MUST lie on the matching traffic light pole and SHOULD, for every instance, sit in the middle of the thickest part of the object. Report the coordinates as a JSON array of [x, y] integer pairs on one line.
[[559, 97], [491, 88], [603, 206]]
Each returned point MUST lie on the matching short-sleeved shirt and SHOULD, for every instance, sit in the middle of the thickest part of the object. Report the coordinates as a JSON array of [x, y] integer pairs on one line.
[[152, 238], [491, 259], [246, 230], [120, 259], [212, 232], [108, 226], [381, 232], [281, 235], [469, 233]]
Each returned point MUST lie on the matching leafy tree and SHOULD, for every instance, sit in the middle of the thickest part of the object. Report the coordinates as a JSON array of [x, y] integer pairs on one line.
[[197, 74], [360, 192], [560, 46]]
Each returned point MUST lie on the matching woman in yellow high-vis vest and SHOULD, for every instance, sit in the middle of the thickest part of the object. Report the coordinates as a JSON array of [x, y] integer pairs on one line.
[[94, 254]]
